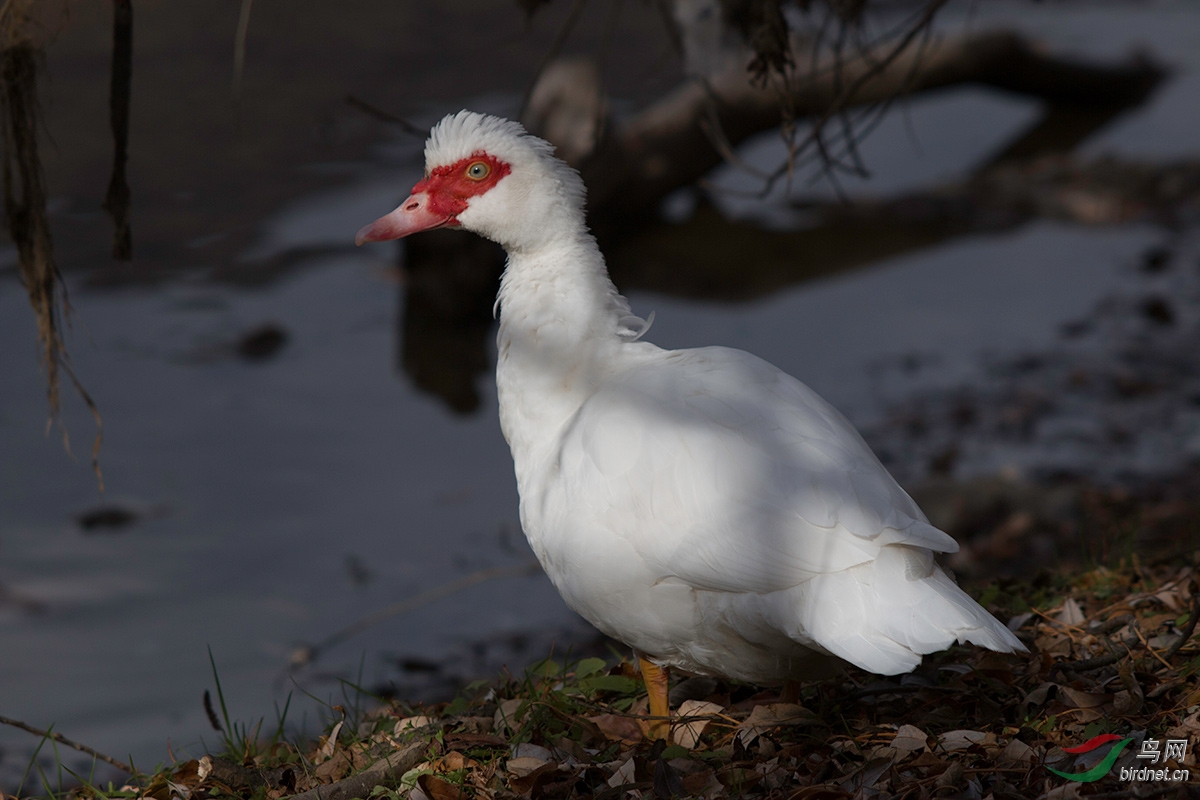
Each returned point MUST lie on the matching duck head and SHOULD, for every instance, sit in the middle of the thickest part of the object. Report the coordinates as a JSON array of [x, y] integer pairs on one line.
[[488, 175]]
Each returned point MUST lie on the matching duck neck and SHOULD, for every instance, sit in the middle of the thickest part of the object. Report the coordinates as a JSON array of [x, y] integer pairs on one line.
[[560, 319]]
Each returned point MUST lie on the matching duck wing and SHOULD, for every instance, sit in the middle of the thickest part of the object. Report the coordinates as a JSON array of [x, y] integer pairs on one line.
[[727, 474]]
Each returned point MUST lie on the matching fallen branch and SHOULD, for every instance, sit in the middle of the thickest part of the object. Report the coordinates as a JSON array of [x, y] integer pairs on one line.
[[665, 146], [1093, 664], [388, 769], [1188, 629]]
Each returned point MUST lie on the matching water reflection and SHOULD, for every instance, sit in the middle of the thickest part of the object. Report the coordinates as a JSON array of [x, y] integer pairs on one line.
[[451, 277], [117, 199], [444, 326]]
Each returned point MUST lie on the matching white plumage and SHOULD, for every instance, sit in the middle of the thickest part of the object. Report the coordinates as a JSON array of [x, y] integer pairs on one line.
[[702, 506]]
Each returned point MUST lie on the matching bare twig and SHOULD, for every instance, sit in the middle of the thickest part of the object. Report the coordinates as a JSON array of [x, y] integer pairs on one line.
[[1149, 649], [1115, 624], [58, 737], [663, 146], [306, 655], [384, 116], [239, 48], [711, 125], [552, 53], [94, 410], [844, 97], [1113, 656], [117, 200]]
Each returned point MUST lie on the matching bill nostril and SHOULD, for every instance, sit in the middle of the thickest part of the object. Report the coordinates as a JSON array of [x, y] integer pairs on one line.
[[413, 206]]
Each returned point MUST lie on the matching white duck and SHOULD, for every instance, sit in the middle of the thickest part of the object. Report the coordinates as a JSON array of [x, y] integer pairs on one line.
[[705, 508]]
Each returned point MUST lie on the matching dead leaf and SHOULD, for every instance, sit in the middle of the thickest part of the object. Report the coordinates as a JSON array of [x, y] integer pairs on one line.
[[738, 778], [1169, 598], [867, 775], [1075, 698], [436, 788], [1125, 703], [532, 782], [190, 771], [1039, 695], [773, 715], [335, 768], [411, 724], [454, 761], [1056, 644], [185, 779], [623, 774], [476, 724], [328, 743], [360, 758], [1188, 728], [909, 739], [523, 765], [687, 734], [952, 778], [1015, 752], [506, 717], [995, 665], [1082, 716], [531, 750], [701, 782], [1071, 613], [616, 728], [667, 781], [931, 762], [961, 740]]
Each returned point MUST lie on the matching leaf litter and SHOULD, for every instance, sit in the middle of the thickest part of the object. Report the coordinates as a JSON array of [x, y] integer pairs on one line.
[[1115, 652]]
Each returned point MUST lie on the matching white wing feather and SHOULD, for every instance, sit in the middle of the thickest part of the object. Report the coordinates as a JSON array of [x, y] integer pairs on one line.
[[730, 475]]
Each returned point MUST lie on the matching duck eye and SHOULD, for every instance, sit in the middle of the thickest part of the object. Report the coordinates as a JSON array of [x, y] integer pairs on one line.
[[478, 170]]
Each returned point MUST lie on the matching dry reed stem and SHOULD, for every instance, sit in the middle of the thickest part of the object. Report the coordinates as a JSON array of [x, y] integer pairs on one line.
[[25, 211]]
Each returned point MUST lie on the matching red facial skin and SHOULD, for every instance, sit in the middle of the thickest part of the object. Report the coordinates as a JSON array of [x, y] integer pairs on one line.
[[437, 200]]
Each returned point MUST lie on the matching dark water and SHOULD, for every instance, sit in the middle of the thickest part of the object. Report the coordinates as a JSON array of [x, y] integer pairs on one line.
[[274, 472]]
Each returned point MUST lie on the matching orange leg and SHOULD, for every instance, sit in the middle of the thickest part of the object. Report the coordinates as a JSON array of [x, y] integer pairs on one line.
[[790, 693], [656, 688]]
